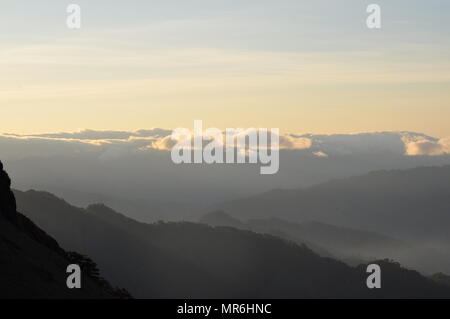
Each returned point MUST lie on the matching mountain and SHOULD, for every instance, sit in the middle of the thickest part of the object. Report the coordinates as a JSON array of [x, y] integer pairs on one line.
[[220, 218], [350, 245], [188, 260], [340, 238], [410, 203], [344, 243], [149, 211], [32, 263]]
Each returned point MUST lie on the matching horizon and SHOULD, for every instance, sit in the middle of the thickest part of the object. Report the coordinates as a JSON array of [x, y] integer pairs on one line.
[[47, 133]]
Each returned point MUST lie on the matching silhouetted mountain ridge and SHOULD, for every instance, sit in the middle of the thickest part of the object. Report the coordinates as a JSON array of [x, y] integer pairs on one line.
[[188, 260], [410, 203], [32, 263], [350, 245]]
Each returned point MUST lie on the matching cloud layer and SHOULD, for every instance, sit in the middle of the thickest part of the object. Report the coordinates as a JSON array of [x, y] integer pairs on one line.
[[430, 147], [120, 142]]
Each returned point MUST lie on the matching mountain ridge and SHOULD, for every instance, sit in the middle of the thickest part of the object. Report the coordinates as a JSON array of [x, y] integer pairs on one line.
[[32, 262], [188, 260], [330, 201]]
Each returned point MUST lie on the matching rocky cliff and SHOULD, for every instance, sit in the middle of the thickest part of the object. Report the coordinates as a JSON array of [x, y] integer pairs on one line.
[[32, 263]]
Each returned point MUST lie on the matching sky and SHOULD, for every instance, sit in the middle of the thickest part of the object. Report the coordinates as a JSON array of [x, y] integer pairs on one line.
[[301, 66]]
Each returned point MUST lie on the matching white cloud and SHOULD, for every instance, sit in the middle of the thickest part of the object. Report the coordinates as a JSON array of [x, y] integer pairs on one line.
[[428, 147], [293, 142], [99, 135], [320, 154], [286, 141]]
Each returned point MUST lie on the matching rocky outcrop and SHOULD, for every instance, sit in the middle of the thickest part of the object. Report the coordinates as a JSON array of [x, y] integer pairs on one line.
[[9, 212], [32, 263], [7, 200]]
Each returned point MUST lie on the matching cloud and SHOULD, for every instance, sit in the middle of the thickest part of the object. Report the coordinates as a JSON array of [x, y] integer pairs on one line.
[[100, 135], [286, 141], [428, 147], [164, 144], [293, 142], [320, 154], [112, 144], [359, 143]]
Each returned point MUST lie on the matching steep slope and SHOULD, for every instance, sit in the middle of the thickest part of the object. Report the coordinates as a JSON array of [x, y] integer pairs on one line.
[[187, 260], [32, 264]]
